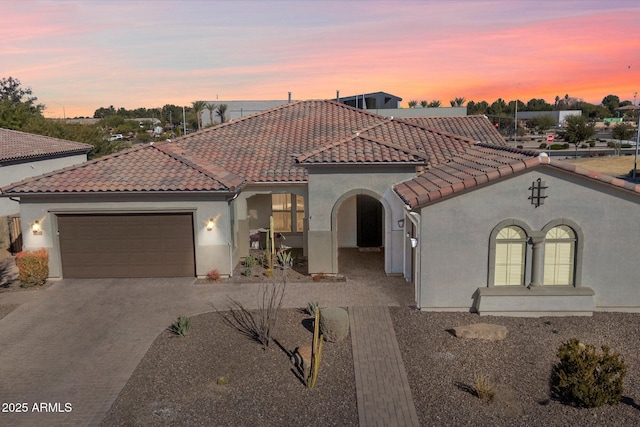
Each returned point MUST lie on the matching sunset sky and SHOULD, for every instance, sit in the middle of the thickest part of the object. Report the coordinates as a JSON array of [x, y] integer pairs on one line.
[[79, 55]]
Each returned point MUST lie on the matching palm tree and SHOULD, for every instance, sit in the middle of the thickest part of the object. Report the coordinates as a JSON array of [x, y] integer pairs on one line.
[[198, 106], [424, 103], [435, 104], [458, 102], [412, 104], [222, 111], [211, 107]]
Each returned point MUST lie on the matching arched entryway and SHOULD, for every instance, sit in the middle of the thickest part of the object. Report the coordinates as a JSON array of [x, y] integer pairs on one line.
[[358, 224]]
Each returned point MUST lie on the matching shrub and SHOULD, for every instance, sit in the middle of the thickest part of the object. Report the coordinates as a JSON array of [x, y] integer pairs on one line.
[[181, 326], [519, 146], [33, 267], [557, 147], [213, 275], [592, 144], [484, 388], [583, 145], [586, 378], [543, 146], [250, 261], [565, 145], [312, 307], [246, 272]]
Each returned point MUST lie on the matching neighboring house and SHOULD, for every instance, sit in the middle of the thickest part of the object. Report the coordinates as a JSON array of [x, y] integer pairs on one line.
[[445, 199], [388, 105], [371, 101], [238, 109], [24, 155]]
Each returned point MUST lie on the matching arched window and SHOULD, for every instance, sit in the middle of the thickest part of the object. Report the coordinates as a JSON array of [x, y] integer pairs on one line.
[[510, 254], [559, 256]]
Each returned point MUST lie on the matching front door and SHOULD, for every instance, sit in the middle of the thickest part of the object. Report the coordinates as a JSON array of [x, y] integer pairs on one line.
[[369, 214]]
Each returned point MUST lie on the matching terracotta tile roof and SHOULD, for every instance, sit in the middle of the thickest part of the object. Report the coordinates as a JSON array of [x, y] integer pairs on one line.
[[391, 141], [482, 164], [362, 150], [478, 128], [263, 147], [272, 146], [140, 169], [16, 146]]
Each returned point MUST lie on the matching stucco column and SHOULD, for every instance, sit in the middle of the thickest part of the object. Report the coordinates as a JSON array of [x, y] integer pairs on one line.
[[536, 239]]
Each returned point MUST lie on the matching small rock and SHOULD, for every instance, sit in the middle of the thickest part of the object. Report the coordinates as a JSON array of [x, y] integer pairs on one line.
[[484, 331]]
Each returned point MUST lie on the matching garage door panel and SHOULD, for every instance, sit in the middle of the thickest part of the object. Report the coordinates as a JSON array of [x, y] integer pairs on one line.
[[141, 245]]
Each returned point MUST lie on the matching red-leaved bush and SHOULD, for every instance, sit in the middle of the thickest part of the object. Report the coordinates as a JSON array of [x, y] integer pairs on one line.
[[33, 267]]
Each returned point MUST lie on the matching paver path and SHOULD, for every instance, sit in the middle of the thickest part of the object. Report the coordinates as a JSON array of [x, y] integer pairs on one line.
[[382, 387]]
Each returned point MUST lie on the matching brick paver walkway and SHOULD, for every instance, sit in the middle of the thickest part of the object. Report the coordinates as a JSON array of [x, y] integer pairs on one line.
[[382, 388]]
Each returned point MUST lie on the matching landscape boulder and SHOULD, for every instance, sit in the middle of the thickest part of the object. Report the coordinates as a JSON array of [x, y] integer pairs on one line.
[[334, 323], [484, 331]]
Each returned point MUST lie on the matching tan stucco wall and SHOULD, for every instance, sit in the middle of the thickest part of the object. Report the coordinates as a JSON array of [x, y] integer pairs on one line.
[[454, 246], [212, 248]]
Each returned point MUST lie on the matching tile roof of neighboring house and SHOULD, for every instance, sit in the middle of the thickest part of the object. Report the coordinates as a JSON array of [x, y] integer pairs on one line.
[[482, 164], [478, 128], [16, 146], [149, 168]]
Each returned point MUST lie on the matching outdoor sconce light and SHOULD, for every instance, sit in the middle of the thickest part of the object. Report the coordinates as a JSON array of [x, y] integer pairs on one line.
[[210, 224], [35, 228], [401, 223], [414, 242]]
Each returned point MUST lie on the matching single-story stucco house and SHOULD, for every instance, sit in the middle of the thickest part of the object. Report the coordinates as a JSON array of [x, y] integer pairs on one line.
[[475, 225], [23, 155]]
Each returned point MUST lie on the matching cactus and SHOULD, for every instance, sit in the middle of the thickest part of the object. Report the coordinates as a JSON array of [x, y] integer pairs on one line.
[[316, 352]]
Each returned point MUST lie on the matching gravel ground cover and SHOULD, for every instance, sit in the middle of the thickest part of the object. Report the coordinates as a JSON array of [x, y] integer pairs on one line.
[[176, 382], [442, 368]]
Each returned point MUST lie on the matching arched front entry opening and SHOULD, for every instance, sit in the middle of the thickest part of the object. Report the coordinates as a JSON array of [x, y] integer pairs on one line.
[[358, 226]]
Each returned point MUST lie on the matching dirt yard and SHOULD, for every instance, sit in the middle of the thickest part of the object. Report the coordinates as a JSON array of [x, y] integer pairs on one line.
[[610, 165]]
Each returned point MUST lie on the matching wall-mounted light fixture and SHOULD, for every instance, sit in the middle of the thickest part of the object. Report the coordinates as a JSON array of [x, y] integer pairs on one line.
[[36, 228], [210, 224], [401, 223], [414, 242]]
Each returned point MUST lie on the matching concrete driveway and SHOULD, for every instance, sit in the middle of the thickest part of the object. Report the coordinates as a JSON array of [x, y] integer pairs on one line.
[[68, 350]]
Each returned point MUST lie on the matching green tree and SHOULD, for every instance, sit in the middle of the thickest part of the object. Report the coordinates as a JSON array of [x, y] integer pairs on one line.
[[103, 112], [498, 108], [17, 104], [612, 102], [622, 132], [538, 104], [198, 107], [542, 122], [413, 103], [222, 112], [578, 129], [458, 102], [11, 90], [424, 103], [474, 108], [434, 104]]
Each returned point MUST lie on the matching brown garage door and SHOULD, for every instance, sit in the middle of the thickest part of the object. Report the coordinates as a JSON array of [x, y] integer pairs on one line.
[[139, 245]]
